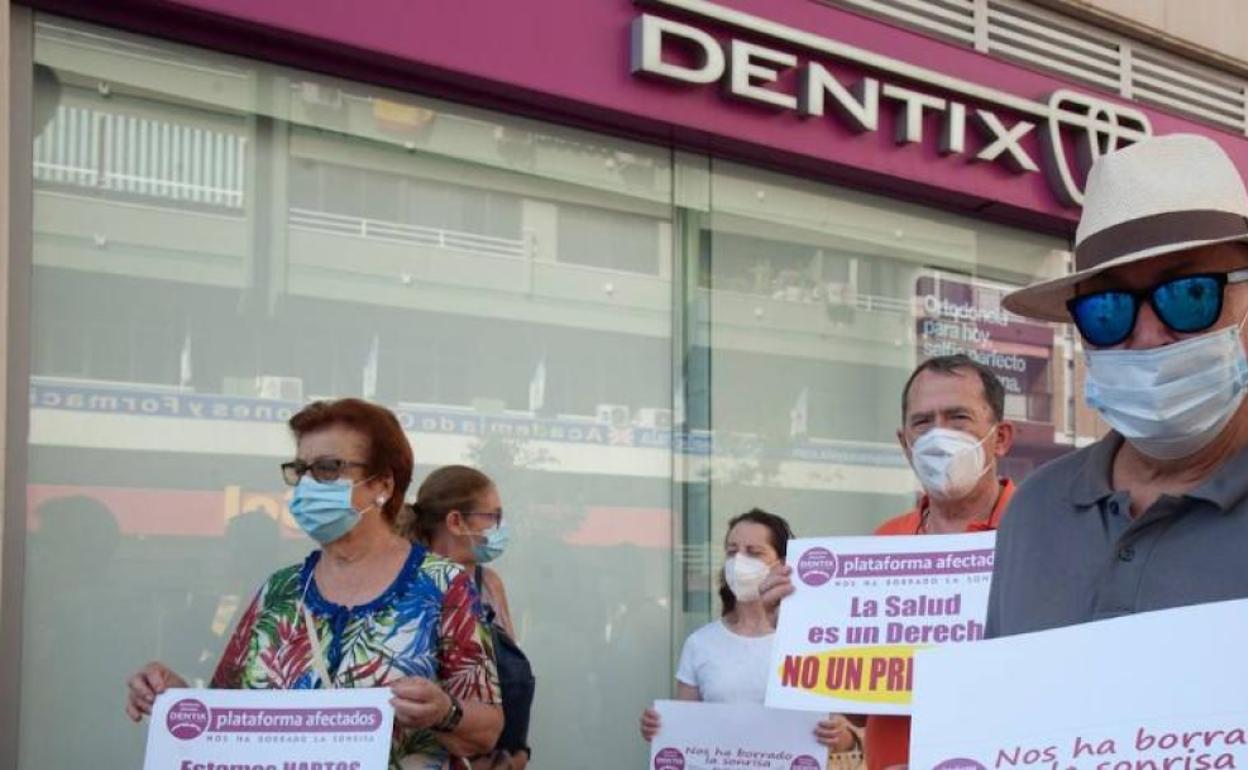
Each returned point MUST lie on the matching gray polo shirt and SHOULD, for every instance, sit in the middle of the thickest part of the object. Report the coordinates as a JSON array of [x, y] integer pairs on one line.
[[1068, 550]]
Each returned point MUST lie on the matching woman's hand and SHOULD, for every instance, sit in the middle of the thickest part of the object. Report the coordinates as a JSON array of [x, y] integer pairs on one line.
[[145, 685], [650, 724], [836, 733], [777, 585], [418, 702]]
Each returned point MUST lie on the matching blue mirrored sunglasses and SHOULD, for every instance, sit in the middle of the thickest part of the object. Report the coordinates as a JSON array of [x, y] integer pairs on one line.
[[1186, 304]]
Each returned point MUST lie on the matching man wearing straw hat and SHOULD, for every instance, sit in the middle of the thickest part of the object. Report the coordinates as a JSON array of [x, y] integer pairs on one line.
[[1155, 514]]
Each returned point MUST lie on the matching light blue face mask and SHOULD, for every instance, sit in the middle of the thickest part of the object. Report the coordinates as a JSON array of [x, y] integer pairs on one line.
[[496, 539], [1170, 401], [323, 509]]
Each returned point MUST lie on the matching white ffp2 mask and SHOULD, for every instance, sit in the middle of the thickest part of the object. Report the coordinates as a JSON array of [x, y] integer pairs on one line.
[[1170, 401], [744, 575], [949, 463]]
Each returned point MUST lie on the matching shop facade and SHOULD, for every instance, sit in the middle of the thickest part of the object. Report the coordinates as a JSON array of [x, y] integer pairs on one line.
[[648, 264]]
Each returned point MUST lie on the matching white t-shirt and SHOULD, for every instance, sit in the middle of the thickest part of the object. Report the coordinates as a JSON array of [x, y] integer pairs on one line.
[[726, 667]]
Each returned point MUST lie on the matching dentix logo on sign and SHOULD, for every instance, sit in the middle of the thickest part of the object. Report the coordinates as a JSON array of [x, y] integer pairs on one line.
[[750, 72]]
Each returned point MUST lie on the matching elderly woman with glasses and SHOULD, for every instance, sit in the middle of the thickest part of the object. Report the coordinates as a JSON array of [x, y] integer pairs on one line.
[[368, 609]]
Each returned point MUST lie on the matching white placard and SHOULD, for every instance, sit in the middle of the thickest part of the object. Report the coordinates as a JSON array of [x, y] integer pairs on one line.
[[863, 605], [341, 729], [1154, 691], [719, 736]]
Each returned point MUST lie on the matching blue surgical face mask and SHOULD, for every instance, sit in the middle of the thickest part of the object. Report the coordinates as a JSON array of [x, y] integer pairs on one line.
[[496, 539], [323, 509]]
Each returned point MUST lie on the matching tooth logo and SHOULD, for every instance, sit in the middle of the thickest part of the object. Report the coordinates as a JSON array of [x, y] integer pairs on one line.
[[1098, 127]]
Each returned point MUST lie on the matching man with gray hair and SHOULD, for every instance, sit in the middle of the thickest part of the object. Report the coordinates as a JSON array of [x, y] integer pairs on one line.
[[953, 431], [1155, 514]]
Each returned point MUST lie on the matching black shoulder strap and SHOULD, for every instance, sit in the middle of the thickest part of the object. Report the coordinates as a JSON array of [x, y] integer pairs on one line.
[[487, 611]]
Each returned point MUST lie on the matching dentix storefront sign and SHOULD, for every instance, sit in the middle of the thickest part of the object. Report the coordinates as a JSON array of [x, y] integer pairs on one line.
[[777, 67]]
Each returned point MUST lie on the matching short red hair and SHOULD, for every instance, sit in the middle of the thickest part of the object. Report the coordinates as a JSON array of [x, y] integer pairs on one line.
[[388, 449]]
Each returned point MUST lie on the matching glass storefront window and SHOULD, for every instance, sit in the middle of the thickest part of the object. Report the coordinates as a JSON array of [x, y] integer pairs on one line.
[[636, 343], [819, 303], [218, 241], [809, 306]]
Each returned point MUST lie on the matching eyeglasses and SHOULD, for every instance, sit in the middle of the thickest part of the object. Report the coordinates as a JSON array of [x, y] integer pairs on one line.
[[495, 516], [1187, 304], [324, 470]]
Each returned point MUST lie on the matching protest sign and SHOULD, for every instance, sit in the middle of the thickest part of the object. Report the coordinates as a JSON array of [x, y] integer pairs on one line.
[[862, 606], [1154, 691], [714, 736], [339, 729]]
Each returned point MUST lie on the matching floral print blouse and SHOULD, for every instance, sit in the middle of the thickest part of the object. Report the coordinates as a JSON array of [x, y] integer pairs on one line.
[[425, 624]]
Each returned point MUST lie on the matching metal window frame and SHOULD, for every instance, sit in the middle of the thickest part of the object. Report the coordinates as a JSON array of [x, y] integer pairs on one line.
[[17, 266]]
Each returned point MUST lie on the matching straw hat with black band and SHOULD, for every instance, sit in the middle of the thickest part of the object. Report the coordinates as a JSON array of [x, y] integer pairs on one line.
[[1159, 196]]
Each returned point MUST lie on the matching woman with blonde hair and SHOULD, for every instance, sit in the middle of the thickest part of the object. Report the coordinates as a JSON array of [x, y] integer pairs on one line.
[[458, 514]]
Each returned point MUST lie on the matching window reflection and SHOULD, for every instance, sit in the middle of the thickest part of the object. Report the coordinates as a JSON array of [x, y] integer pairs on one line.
[[219, 241]]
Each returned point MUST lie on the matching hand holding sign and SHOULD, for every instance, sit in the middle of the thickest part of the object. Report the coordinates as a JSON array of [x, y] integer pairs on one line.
[[777, 585], [418, 702], [650, 724], [835, 733], [147, 683]]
